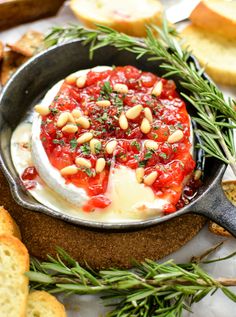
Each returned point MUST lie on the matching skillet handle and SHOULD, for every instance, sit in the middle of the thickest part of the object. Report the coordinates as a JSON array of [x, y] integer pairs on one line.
[[218, 208]]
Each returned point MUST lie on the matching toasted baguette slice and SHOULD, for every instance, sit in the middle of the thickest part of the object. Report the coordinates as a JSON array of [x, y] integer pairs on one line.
[[42, 304], [125, 16], [8, 225], [1, 51], [29, 44], [216, 16], [11, 61], [14, 262], [214, 52]]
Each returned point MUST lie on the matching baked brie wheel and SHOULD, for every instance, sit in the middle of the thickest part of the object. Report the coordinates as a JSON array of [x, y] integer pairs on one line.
[[114, 143]]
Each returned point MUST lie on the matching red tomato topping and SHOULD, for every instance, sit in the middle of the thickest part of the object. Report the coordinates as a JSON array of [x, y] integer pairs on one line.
[[99, 201], [29, 173], [101, 105], [28, 177]]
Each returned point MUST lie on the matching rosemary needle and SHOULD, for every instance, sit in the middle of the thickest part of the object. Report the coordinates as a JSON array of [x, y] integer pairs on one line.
[[150, 289], [213, 110]]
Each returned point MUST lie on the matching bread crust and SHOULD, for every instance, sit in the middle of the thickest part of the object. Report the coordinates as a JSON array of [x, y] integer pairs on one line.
[[204, 17], [19, 248], [8, 225], [1, 51]]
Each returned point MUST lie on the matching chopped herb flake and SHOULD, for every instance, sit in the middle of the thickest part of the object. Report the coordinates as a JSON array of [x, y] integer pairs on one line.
[[73, 144], [148, 155], [85, 149], [118, 102], [163, 155], [136, 144], [106, 89], [180, 126], [54, 111], [142, 163], [89, 172], [98, 147], [56, 141]]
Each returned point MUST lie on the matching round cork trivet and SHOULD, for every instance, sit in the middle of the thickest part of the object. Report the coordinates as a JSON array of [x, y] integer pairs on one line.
[[100, 249]]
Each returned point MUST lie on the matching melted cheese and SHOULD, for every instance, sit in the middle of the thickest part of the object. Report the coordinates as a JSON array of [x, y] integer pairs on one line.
[[128, 196]]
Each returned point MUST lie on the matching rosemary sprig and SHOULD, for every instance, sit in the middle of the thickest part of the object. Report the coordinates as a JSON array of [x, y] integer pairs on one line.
[[150, 289], [213, 110]]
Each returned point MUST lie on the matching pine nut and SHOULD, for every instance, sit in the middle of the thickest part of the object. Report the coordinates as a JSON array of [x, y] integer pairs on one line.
[[85, 137], [103, 103], [93, 143], [157, 90], [69, 170], [145, 126], [76, 113], [151, 145], [62, 119], [71, 118], [100, 165], [83, 122], [148, 114], [71, 79], [197, 175], [42, 110], [175, 136], [123, 122], [110, 147], [150, 179], [70, 128], [80, 82], [134, 112], [120, 88], [80, 161], [139, 174]]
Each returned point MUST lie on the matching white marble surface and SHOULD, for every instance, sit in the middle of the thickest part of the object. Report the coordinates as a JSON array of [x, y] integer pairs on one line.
[[90, 306]]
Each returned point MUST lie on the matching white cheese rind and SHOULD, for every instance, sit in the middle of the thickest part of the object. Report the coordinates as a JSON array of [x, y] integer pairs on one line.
[[47, 172]]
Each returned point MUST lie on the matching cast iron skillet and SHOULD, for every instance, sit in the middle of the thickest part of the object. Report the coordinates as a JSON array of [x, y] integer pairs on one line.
[[29, 85]]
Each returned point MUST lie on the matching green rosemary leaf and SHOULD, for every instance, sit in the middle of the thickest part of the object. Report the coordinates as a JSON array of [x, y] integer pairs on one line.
[[220, 259], [65, 256], [150, 289], [39, 277], [58, 268], [229, 294], [140, 295], [201, 294]]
